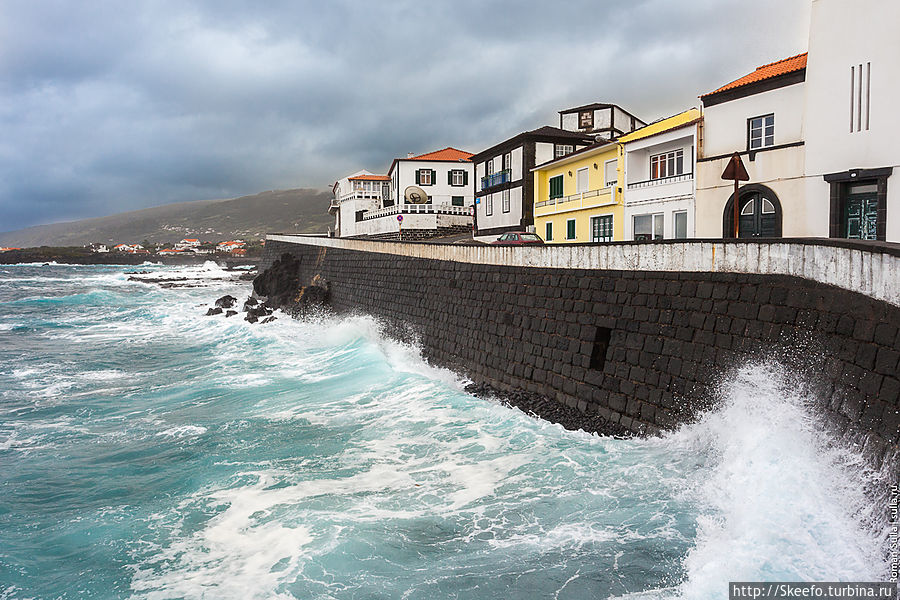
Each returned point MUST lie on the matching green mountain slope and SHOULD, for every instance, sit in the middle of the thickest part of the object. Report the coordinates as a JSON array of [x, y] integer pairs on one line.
[[296, 211]]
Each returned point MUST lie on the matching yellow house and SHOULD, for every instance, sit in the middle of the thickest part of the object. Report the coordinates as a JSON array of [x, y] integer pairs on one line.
[[577, 197]]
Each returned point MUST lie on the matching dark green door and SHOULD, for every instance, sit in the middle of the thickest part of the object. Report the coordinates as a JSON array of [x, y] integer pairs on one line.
[[758, 217], [861, 217]]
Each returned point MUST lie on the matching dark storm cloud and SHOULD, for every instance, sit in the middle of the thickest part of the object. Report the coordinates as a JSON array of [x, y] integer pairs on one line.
[[111, 106]]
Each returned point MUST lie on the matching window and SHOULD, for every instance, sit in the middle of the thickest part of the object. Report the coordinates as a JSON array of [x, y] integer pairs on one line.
[[556, 187], [424, 177], [504, 200], [860, 96], [489, 205], [586, 119], [570, 229], [602, 228], [610, 175], [457, 201], [648, 227], [761, 132], [507, 161], [680, 225], [667, 164], [548, 231], [458, 178], [563, 149], [581, 180]]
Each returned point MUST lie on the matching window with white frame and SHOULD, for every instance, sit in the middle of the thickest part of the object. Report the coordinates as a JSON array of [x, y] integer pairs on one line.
[[570, 229], [679, 224], [609, 173], [563, 149], [581, 180], [489, 205], [457, 177], [505, 200], [648, 227], [667, 164], [602, 228], [761, 132], [425, 176]]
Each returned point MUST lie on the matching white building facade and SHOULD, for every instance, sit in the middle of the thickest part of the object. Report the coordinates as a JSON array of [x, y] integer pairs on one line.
[[370, 205], [852, 121], [660, 167]]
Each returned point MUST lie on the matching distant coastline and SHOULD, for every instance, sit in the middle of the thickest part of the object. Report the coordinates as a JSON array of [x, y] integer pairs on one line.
[[82, 256]]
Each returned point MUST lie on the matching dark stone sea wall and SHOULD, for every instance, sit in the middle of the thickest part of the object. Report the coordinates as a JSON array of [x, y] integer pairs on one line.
[[641, 349]]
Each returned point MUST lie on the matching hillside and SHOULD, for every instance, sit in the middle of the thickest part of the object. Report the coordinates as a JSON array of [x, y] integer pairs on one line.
[[299, 211]]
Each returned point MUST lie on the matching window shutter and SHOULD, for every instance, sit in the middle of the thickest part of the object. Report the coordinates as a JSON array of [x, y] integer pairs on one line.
[[433, 176], [418, 177], [465, 178], [450, 177]]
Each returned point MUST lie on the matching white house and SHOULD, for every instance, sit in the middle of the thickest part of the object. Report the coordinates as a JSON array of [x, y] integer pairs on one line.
[[660, 166], [816, 132], [188, 243], [374, 206], [760, 116], [852, 125], [600, 119], [355, 195]]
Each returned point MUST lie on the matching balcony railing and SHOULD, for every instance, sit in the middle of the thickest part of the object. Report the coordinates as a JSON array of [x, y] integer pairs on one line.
[[361, 195], [581, 197], [418, 209], [660, 181], [496, 179]]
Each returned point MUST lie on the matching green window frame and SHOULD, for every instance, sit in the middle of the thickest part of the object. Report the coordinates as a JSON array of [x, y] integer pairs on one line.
[[570, 229], [556, 187], [548, 231], [458, 201]]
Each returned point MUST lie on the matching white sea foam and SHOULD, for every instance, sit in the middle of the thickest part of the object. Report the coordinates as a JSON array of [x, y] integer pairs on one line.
[[777, 501], [183, 431]]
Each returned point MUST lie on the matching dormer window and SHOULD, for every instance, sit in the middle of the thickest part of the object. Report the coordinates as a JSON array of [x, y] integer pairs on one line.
[[563, 149], [761, 132], [586, 119]]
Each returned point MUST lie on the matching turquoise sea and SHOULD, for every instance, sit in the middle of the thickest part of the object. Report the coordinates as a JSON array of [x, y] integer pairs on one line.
[[147, 451]]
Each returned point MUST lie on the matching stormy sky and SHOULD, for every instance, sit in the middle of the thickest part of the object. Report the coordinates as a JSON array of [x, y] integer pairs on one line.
[[114, 106]]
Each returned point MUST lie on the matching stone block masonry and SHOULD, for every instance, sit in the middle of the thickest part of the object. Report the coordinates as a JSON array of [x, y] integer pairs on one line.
[[640, 347]]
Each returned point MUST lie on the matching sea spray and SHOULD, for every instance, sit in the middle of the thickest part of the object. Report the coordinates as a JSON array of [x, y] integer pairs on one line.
[[152, 452]]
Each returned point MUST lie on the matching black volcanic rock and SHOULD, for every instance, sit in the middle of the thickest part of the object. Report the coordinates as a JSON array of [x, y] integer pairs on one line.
[[226, 301], [214, 311], [230, 313], [280, 283]]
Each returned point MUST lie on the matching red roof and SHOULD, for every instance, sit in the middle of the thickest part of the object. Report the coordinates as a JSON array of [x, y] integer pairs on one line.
[[451, 154], [779, 67], [370, 178]]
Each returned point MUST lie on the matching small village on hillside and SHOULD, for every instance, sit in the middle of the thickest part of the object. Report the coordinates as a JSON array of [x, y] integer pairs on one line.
[[807, 141], [186, 246]]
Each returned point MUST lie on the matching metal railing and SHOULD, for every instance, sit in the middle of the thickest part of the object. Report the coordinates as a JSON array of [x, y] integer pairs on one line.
[[660, 181], [418, 209], [496, 179], [361, 195]]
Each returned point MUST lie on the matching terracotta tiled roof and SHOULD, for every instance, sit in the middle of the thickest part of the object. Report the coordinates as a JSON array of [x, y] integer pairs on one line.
[[445, 154], [779, 67], [370, 178]]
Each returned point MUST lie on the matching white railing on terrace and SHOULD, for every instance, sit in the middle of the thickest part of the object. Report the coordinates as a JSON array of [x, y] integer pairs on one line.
[[418, 209], [576, 198], [361, 195], [660, 181]]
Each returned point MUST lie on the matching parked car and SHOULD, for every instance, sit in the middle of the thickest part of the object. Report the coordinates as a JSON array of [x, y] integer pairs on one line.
[[518, 238]]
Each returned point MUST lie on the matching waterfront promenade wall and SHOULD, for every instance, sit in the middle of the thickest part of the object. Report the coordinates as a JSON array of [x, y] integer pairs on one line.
[[638, 333]]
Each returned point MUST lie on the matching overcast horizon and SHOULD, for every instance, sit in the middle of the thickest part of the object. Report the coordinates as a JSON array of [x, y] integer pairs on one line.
[[106, 110]]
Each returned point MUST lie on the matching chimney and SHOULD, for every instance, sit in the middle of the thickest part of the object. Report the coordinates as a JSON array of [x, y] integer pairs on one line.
[[409, 155]]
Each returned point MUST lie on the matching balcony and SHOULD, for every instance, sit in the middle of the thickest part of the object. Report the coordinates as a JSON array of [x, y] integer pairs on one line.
[[581, 200], [635, 185], [503, 176], [361, 195], [418, 209]]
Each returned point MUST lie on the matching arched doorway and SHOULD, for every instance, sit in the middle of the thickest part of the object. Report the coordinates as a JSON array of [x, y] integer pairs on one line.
[[759, 213]]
